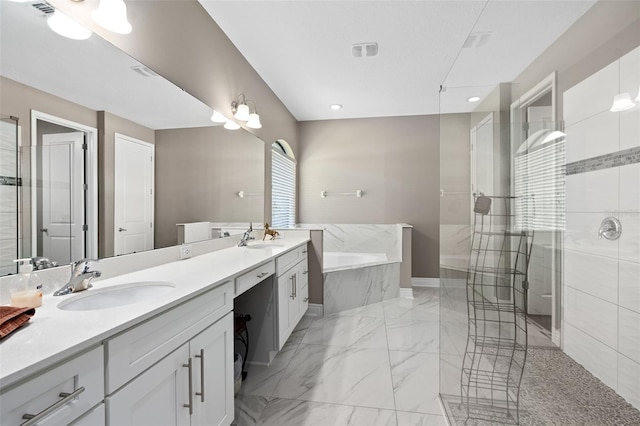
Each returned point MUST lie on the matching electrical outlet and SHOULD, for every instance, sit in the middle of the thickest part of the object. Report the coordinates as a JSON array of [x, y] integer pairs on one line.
[[185, 251]]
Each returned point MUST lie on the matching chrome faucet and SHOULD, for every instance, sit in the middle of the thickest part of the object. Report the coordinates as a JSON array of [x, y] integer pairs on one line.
[[246, 237], [80, 279], [40, 263]]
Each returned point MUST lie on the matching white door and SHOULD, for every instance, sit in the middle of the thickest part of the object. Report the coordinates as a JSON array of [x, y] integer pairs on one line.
[[133, 198], [62, 191], [482, 179]]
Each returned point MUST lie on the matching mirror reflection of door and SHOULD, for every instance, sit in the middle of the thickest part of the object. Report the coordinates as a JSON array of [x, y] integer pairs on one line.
[[61, 218], [482, 182], [133, 202]]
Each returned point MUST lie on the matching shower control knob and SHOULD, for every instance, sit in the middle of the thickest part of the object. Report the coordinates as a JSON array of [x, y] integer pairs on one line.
[[610, 228]]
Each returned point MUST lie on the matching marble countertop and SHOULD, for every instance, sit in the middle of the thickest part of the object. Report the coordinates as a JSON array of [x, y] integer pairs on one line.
[[54, 334]]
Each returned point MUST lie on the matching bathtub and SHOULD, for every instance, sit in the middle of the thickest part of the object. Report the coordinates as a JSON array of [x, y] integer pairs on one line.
[[353, 280], [335, 261]]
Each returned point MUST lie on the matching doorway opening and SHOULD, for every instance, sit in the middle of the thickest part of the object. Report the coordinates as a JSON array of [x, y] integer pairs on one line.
[[63, 199], [537, 156]]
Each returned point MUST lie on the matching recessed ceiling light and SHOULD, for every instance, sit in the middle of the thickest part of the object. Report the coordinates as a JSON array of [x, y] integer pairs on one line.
[[336, 107], [474, 99]]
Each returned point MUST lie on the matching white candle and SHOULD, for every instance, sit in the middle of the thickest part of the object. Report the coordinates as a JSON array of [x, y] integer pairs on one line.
[[26, 299]]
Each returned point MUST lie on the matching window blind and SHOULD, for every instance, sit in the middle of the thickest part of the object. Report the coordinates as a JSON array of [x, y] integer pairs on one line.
[[540, 187], [283, 191]]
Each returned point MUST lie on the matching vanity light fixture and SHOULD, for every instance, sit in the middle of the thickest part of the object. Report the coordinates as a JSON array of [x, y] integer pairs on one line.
[[231, 125], [242, 112], [622, 102], [112, 15], [67, 27], [218, 118], [474, 99]]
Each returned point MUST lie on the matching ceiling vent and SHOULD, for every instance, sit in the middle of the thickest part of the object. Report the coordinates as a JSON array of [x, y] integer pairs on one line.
[[42, 8], [144, 71], [361, 50], [476, 40]]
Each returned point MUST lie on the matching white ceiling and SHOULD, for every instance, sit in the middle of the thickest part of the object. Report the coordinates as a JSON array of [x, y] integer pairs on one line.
[[302, 50]]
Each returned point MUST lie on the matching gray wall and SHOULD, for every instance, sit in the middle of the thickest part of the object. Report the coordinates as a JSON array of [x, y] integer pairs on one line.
[[179, 40], [394, 160], [199, 172]]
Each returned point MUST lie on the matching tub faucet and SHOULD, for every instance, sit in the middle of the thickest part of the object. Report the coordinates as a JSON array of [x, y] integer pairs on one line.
[[246, 237], [80, 279]]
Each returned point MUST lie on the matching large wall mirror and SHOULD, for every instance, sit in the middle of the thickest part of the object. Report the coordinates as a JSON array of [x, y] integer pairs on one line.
[[107, 157]]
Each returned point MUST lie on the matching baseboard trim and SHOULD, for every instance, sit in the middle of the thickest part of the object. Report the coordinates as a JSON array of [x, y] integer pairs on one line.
[[315, 310], [406, 293], [425, 282]]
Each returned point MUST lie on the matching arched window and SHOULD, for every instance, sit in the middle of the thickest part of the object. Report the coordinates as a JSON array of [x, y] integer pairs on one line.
[[283, 185]]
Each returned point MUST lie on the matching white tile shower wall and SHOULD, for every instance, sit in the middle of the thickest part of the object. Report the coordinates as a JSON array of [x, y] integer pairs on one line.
[[602, 278], [595, 356], [593, 136], [628, 287], [629, 382]]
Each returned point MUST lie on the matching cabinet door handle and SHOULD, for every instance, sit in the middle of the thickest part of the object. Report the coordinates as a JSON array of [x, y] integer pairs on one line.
[[305, 272], [66, 397], [295, 286], [291, 295], [190, 404], [306, 299], [201, 393]]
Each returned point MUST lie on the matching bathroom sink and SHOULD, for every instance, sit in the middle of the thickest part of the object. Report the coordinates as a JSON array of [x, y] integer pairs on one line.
[[264, 245], [119, 295]]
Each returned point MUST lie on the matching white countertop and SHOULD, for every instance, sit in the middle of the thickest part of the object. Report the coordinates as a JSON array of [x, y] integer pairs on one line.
[[54, 334]]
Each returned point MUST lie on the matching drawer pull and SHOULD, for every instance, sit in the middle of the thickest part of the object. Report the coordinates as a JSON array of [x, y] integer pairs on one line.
[[66, 397], [201, 393], [306, 299], [305, 272], [262, 274], [190, 404], [304, 251]]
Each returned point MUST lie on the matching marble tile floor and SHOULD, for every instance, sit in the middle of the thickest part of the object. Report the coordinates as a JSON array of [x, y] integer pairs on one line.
[[374, 365]]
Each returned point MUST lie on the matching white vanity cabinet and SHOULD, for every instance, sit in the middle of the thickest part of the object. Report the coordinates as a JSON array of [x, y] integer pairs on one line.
[[293, 291], [185, 360], [60, 395]]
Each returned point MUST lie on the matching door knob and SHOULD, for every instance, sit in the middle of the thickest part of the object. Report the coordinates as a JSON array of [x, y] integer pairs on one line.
[[121, 230], [45, 230]]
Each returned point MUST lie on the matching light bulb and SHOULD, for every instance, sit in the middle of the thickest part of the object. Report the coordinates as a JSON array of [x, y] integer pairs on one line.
[[112, 15], [242, 112], [67, 27], [230, 125], [622, 102], [254, 121], [218, 118]]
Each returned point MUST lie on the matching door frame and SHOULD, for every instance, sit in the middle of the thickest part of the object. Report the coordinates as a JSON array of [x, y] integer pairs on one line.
[[548, 84], [153, 185], [91, 177]]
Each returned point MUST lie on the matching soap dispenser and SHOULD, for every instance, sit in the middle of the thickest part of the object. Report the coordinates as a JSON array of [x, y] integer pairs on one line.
[[29, 287]]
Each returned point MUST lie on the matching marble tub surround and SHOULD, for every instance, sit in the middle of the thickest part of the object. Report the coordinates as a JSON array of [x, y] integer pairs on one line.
[[343, 371], [352, 288], [362, 238], [54, 334]]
